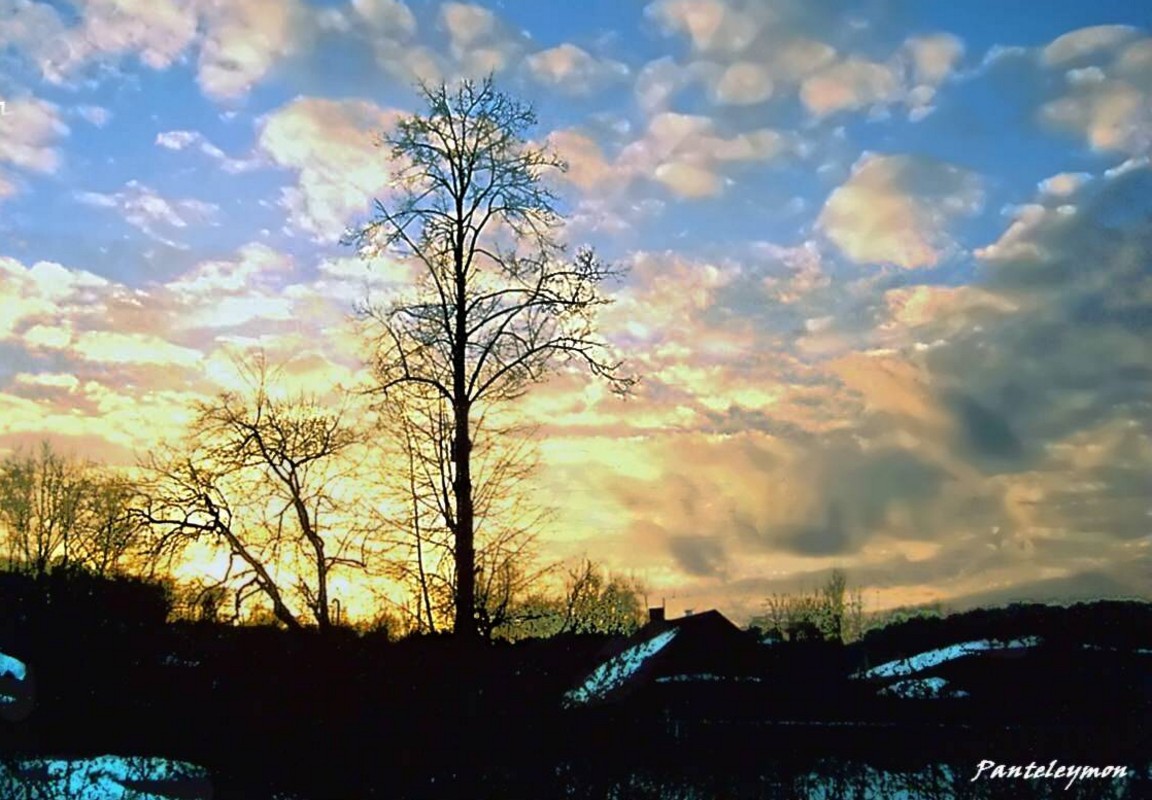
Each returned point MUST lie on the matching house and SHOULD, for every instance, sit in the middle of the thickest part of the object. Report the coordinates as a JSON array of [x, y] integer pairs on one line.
[[655, 666]]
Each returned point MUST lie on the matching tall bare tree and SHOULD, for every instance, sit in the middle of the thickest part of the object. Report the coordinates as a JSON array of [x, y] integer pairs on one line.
[[256, 474], [498, 303]]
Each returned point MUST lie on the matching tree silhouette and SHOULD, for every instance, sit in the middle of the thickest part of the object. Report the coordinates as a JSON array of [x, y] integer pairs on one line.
[[256, 473], [59, 511], [419, 479], [498, 304]]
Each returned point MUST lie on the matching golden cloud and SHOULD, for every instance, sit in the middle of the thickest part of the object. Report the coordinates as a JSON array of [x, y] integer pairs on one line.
[[895, 210]]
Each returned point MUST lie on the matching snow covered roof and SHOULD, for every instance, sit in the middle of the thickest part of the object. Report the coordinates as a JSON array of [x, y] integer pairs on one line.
[[13, 667], [615, 672], [932, 658]]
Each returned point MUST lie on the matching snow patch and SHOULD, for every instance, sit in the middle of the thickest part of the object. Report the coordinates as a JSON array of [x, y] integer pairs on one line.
[[614, 672], [932, 658], [12, 666], [173, 660], [922, 689], [706, 677], [104, 778]]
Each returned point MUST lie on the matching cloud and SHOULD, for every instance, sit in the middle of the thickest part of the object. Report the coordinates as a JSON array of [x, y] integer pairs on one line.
[[155, 32], [1086, 42], [144, 209], [243, 40], [32, 295], [1052, 396], [330, 144], [896, 210], [391, 30], [588, 167], [712, 26], [685, 153], [182, 140], [231, 293], [479, 41], [29, 131], [95, 115], [110, 347], [922, 316], [97, 362], [1109, 114], [1106, 93], [744, 83], [752, 52], [573, 70], [391, 17], [849, 84], [237, 43]]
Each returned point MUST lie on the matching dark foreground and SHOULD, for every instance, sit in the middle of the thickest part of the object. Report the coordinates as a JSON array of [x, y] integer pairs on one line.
[[222, 712]]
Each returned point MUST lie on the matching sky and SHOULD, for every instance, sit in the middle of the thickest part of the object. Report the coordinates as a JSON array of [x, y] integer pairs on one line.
[[888, 289]]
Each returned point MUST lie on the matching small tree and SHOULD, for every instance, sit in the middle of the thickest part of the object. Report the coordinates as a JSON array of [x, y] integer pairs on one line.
[[256, 474], [833, 612], [42, 498], [112, 535], [498, 304], [592, 601]]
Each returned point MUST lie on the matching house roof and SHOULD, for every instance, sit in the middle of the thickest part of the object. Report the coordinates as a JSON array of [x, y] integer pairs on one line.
[[704, 646]]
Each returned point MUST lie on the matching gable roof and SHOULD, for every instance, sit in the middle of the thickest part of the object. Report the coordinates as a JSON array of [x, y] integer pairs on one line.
[[696, 645]]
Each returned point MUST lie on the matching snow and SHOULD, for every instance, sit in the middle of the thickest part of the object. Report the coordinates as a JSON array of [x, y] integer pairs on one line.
[[13, 667], [616, 671], [103, 778], [922, 689], [173, 660], [932, 781], [932, 658], [1140, 651], [704, 676]]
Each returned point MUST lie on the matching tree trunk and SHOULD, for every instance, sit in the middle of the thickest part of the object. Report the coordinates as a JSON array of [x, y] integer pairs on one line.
[[465, 624], [323, 618]]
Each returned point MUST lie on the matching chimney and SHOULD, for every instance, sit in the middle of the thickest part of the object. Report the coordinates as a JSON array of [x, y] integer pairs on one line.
[[655, 615]]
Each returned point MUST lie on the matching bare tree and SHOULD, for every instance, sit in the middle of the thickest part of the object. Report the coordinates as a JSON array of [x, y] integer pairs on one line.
[[833, 612], [506, 514], [111, 537], [600, 602], [590, 601], [498, 304], [256, 474], [42, 497]]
